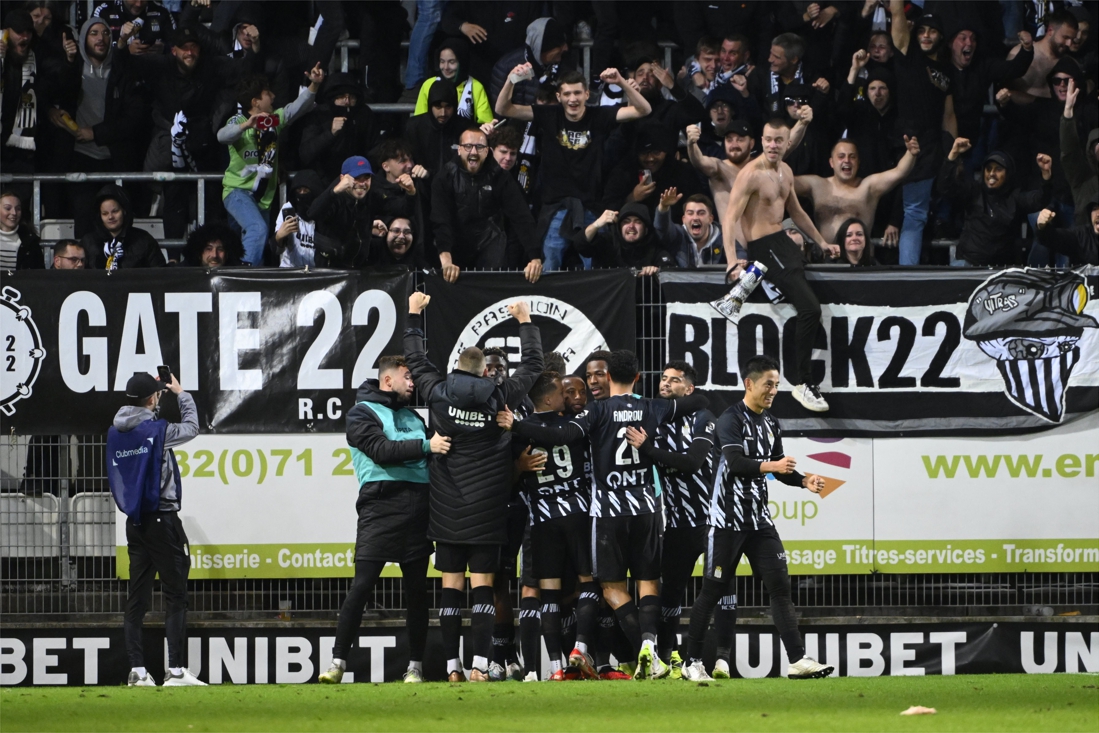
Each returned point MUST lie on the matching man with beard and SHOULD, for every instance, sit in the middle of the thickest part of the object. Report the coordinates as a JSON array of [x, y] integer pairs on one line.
[[472, 203], [341, 126], [398, 248], [925, 109], [295, 240], [345, 218], [844, 195], [470, 485], [390, 445], [433, 136], [1061, 29], [972, 74], [695, 242], [652, 79], [630, 243], [213, 245]]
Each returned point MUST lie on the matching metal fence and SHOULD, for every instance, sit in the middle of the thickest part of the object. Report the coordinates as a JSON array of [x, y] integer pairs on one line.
[[57, 546]]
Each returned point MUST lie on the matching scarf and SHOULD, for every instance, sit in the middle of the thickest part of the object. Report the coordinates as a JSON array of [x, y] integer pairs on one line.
[[775, 79], [726, 77], [181, 157], [113, 250], [465, 104], [526, 158], [26, 117]]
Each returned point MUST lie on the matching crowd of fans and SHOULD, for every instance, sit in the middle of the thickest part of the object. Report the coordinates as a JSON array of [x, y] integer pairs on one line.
[[514, 159]]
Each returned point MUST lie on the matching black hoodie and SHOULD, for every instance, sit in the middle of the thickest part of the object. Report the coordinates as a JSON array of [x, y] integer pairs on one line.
[[138, 247], [344, 225], [471, 484], [392, 512], [432, 144], [991, 215], [609, 249], [324, 151]]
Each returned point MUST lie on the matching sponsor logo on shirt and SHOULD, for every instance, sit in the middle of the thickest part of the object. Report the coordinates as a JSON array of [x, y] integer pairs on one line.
[[574, 139]]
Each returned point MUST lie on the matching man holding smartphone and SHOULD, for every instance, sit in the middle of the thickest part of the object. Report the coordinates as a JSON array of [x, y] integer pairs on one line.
[[146, 486]]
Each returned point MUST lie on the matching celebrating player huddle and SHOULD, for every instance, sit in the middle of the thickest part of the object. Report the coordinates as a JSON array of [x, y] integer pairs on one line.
[[615, 485]]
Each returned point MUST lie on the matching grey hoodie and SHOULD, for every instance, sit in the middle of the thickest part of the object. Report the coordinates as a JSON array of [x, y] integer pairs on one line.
[[93, 91], [129, 417]]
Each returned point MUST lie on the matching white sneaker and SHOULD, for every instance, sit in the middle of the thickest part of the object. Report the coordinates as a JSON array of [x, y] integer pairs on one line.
[[658, 670], [333, 676], [695, 672], [183, 679], [808, 668], [135, 681], [514, 672], [810, 397], [496, 672], [413, 676], [721, 670], [532, 676]]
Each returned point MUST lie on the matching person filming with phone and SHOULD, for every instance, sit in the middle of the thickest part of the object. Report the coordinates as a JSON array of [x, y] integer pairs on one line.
[[145, 483]]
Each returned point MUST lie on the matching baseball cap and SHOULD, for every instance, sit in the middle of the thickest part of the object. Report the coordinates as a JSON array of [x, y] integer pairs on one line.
[[141, 385], [356, 166], [930, 20], [739, 127], [184, 34]]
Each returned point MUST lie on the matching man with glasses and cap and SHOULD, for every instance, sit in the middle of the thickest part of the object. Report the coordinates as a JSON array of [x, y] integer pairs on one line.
[[145, 483], [344, 217], [475, 207]]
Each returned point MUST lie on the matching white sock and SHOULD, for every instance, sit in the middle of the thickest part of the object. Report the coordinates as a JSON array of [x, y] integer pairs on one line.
[[416, 667], [140, 671], [582, 647], [339, 663], [453, 665], [555, 665], [480, 663], [176, 671]]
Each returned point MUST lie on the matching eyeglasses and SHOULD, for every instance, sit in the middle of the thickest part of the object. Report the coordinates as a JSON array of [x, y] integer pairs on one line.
[[1060, 81], [470, 147], [399, 232], [74, 260]]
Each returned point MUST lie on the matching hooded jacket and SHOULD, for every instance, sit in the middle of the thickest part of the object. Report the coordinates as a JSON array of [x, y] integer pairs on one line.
[[343, 228], [129, 417], [1080, 167], [480, 111], [468, 210], [471, 484], [139, 248], [432, 144], [1079, 244], [525, 92], [389, 448], [970, 85], [609, 249], [324, 151], [297, 250], [877, 134], [991, 215], [673, 173]]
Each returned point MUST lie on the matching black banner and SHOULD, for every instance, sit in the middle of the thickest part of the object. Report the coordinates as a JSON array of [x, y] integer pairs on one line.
[[577, 313], [261, 351], [96, 655], [906, 351]]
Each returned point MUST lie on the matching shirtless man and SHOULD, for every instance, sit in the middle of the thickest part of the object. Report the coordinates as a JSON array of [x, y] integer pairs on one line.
[[761, 196], [1061, 28], [739, 143], [845, 195]]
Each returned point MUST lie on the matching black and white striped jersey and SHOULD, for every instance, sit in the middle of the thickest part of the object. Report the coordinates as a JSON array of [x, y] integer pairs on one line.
[[563, 487], [687, 496], [740, 502]]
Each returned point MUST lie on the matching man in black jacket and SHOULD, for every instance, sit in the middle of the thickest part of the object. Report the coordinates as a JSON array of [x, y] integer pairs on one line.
[[624, 239], [341, 126], [344, 218], [473, 205], [470, 485], [389, 449], [433, 135]]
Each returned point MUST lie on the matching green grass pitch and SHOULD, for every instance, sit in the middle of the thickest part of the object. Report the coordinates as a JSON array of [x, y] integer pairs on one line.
[[964, 703]]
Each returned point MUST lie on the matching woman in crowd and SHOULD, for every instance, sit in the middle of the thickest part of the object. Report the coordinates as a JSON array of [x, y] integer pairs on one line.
[[454, 66]]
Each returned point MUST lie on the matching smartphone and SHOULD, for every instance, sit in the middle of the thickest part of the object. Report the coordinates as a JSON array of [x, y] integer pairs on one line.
[[646, 177], [165, 373], [289, 213]]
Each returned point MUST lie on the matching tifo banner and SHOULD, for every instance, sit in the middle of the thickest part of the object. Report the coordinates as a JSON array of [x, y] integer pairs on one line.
[[576, 313], [906, 505], [297, 654], [908, 352], [263, 351]]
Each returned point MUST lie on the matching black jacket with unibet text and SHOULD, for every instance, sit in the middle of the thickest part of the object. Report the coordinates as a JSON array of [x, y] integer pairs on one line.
[[470, 485]]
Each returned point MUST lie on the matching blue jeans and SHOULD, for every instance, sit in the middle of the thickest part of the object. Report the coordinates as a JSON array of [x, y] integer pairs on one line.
[[917, 204], [554, 246], [1040, 256], [252, 222], [428, 15]]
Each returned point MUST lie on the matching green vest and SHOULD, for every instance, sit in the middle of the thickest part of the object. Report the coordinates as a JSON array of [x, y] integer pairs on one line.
[[403, 424]]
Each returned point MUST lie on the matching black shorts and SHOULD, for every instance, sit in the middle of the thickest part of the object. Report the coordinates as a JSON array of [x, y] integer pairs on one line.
[[622, 545], [680, 552], [451, 558], [561, 547], [762, 547], [392, 525], [518, 545]]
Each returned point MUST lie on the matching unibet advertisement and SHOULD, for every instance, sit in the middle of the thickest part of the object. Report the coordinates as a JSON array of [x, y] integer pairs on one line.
[[283, 506]]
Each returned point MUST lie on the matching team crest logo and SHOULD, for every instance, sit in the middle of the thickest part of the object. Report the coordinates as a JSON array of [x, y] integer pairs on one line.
[[565, 329], [1031, 322], [21, 350]]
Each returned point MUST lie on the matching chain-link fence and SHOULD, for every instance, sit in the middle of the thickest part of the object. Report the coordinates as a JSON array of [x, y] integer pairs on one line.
[[57, 548]]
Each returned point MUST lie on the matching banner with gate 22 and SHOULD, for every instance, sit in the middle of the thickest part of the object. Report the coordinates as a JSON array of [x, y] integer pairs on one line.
[[275, 351], [907, 352]]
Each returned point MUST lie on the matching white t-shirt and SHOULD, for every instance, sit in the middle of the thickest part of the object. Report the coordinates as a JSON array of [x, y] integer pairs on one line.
[[299, 250]]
